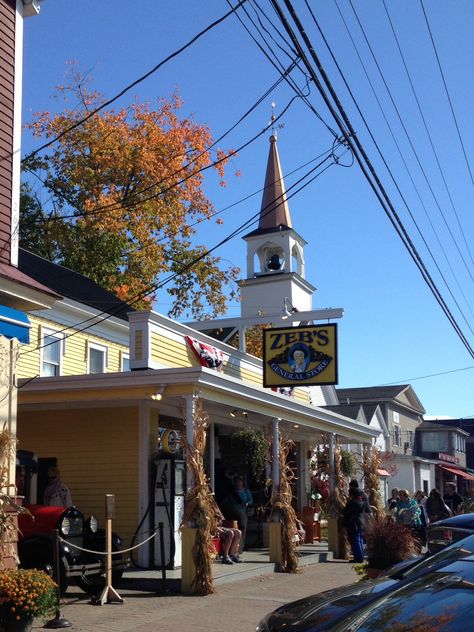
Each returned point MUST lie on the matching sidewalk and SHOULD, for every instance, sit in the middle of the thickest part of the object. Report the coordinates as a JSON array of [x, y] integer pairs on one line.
[[237, 605]]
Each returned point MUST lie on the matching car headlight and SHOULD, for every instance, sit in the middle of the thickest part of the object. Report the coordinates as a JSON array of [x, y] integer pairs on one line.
[[92, 524], [71, 523], [65, 526]]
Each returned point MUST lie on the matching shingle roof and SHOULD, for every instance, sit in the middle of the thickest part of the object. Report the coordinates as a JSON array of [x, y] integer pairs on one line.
[[367, 393], [72, 284], [348, 410]]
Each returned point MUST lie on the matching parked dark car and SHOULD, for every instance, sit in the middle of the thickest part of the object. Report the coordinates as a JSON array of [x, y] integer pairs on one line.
[[341, 606], [444, 532], [37, 543]]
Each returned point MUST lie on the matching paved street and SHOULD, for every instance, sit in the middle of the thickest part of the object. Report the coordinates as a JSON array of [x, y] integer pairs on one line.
[[235, 606]]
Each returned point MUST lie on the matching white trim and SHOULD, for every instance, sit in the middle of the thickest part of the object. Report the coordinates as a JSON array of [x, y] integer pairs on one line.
[[16, 145], [143, 474], [59, 336], [97, 347], [215, 387]]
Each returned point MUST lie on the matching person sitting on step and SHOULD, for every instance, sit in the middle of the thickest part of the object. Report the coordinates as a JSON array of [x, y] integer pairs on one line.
[[230, 539]]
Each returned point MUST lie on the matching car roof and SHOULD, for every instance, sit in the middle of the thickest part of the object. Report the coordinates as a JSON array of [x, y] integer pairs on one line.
[[464, 521]]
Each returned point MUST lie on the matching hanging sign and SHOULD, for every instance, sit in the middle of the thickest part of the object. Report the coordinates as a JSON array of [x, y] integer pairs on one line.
[[300, 356]]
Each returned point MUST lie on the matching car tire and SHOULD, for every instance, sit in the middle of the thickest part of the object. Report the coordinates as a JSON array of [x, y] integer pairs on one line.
[[93, 585]]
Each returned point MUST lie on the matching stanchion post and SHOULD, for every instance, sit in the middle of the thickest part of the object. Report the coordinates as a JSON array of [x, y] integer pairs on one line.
[[58, 621], [109, 594], [162, 554]]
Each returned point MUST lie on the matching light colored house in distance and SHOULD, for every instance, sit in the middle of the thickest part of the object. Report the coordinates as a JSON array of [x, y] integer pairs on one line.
[[402, 413], [446, 445]]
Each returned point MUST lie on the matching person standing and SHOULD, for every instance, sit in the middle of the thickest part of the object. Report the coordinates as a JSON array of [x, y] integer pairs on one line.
[[392, 501], [436, 508], [454, 500], [354, 520], [408, 513], [57, 493]]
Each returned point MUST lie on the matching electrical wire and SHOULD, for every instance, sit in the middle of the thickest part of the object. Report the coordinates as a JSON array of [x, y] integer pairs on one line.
[[447, 91], [289, 81], [108, 207], [388, 167], [136, 82], [435, 153], [103, 316], [415, 153], [402, 157], [364, 161], [424, 377]]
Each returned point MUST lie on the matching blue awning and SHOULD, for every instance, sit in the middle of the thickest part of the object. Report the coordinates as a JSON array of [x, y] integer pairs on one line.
[[14, 324]]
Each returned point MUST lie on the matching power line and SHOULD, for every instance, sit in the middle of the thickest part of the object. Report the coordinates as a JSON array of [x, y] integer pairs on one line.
[[386, 164], [290, 82], [109, 207], [103, 316], [137, 81], [447, 91], [364, 161], [411, 143], [427, 130], [425, 377]]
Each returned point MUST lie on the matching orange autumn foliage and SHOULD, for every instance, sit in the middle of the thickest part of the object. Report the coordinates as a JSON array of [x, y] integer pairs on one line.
[[126, 188]]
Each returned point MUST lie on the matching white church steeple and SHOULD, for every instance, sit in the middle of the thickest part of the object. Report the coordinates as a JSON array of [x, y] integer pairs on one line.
[[275, 253]]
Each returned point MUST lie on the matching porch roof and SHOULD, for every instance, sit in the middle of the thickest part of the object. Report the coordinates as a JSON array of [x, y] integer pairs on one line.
[[221, 393]]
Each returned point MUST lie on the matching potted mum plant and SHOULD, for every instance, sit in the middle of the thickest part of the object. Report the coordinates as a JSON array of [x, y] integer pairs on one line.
[[24, 595]]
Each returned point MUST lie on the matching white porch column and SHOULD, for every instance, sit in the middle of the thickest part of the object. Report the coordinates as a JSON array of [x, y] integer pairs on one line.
[[190, 403], [331, 460], [276, 457], [212, 449]]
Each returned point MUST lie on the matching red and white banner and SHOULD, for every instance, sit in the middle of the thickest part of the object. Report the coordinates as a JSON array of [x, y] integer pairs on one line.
[[207, 354]]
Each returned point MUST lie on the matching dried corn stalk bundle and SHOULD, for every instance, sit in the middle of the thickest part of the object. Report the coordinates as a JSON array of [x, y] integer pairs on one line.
[[337, 496], [283, 509], [370, 465], [8, 507], [201, 510]]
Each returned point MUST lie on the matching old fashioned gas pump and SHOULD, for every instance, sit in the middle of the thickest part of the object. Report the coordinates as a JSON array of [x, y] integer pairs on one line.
[[170, 488]]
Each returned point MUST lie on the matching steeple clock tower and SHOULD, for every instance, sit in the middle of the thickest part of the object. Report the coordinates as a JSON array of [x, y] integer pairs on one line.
[[275, 254]]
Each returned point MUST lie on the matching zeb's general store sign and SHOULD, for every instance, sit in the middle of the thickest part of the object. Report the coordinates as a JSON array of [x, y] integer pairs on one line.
[[300, 355]]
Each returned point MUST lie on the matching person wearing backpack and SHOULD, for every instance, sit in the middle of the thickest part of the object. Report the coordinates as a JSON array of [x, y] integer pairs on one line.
[[354, 520]]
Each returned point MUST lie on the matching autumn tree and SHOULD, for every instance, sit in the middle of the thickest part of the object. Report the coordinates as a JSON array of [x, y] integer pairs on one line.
[[125, 189]]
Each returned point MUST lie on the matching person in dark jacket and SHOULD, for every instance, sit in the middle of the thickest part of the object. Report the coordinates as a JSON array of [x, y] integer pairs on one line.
[[354, 519], [454, 500], [436, 508]]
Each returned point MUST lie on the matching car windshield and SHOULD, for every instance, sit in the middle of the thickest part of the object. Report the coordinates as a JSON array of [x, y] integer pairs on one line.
[[441, 600], [461, 548]]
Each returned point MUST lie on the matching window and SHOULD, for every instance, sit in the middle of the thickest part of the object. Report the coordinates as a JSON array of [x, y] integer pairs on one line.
[[434, 442], [125, 362], [396, 435], [97, 360], [410, 439], [51, 344]]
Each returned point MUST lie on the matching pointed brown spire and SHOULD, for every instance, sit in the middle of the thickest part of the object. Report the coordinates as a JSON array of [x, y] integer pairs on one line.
[[274, 210]]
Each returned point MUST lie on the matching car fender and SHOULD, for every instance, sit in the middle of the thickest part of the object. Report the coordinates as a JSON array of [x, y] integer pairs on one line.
[[97, 541]]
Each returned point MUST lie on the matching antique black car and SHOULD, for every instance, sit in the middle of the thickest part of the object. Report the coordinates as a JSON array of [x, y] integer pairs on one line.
[[37, 541]]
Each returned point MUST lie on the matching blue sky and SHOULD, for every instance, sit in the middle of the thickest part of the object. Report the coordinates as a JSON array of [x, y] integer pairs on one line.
[[393, 330]]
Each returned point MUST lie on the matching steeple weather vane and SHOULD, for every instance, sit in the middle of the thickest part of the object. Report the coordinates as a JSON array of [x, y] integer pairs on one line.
[[272, 121]]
